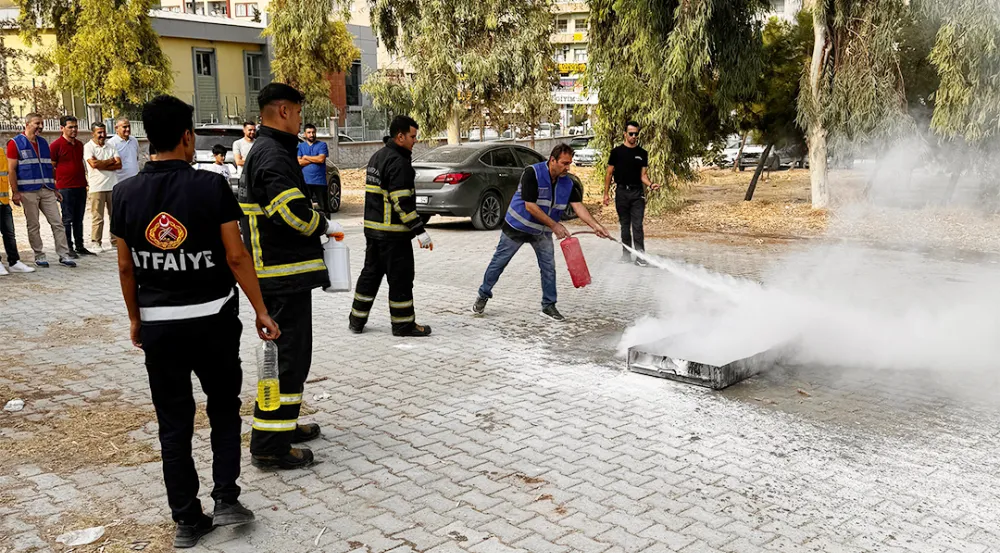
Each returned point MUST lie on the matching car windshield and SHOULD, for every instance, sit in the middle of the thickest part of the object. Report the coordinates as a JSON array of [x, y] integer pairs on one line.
[[579, 143], [447, 154], [205, 139]]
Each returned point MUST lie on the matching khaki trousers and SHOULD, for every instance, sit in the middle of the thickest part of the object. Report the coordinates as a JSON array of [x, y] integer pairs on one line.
[[99, 202], [44, 202]]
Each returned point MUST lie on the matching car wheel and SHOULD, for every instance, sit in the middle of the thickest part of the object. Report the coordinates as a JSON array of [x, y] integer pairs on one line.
[[489, 214], [334, 190]]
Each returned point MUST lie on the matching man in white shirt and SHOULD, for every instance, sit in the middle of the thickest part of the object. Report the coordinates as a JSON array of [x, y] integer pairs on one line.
[[242, 146], [128, 149], [103, 160]]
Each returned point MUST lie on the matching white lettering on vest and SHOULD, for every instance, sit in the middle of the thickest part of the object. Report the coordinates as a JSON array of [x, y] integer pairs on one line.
[[170, 261], [208, 260], [157, 260]]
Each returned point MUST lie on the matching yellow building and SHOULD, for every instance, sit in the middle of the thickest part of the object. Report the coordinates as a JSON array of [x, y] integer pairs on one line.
[[218, 64]]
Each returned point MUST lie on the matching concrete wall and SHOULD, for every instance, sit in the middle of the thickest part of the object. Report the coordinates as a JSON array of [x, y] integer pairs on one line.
[[350, 155]]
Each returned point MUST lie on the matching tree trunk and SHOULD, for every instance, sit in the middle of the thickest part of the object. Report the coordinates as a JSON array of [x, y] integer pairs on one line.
[[870, 185], [756, 174], [739, 154], [454, 127], [816, 134], [531, 129], [949, 195]]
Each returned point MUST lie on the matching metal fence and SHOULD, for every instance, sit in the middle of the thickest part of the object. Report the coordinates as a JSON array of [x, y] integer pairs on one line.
[[52, 125]]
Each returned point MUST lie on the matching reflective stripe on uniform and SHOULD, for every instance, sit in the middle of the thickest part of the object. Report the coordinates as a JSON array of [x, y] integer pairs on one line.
[[363, 299], [252, 209], [359, 314], [269, 271], [4, 195], [400, 304], [396, 194], [407, 217], [258, 254], [409, 319], [291, 399], [543, 203], [375, 189], [562, 207], [282, 199], [525, 222], [4, 173], [182, 312], [388, 228], [274, 426]]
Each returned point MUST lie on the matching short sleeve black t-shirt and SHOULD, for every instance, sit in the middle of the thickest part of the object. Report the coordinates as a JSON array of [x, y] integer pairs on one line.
[[170, 216], [628, 164], [529, 193]]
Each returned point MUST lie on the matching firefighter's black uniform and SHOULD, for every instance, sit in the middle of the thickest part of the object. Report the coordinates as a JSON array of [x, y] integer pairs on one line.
[[282, 232], [170, 216], [391, 222]]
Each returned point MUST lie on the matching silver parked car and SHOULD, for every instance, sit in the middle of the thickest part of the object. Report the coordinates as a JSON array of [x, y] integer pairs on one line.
[[473, 180]]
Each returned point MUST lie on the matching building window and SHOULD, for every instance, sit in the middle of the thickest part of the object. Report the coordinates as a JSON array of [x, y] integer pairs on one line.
[[562, 54], [581, 24], [580, 55], [242, 10], [778, 6], [203, 63], [562, 25], [352, 82]]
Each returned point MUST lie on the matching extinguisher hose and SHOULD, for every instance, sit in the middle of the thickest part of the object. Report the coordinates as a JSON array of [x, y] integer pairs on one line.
[[612, 238]]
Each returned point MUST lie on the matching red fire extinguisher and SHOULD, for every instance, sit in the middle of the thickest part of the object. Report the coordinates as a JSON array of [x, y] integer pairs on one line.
[[575, 262]]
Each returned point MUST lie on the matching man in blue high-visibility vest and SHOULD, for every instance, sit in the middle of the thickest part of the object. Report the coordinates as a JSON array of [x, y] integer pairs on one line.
[[533, 217]]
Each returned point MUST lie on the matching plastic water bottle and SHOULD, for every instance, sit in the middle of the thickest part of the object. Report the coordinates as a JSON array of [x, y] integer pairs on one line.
[[268, 388], [337, 257]]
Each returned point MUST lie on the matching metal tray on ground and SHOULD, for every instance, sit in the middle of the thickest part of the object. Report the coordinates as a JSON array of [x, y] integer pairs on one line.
[[700, 359]]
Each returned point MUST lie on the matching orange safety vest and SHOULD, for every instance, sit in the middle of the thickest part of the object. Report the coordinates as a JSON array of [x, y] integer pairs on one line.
[[4, 183]]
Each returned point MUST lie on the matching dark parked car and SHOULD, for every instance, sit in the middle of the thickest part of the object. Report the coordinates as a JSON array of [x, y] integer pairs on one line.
[[207, 136], [473, 180]]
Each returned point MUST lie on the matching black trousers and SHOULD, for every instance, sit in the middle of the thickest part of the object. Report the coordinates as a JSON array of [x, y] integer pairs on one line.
[[631, 207], [7, 231], [392, 259], [273, 430], [74, 205], [210, 348], [320, 194]]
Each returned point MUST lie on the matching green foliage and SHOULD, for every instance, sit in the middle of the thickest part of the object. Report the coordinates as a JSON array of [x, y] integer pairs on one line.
[[786, 50], [677, 67], [308, 47], [487, 58], [860, 99], [114, 54], [389, 90], [34, 15]]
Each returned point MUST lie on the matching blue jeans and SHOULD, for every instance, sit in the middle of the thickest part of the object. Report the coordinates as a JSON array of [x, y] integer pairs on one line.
[[7, 230], [506, 249]]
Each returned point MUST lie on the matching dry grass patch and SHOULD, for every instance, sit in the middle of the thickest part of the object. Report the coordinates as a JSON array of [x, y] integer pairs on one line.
[[121, 534]]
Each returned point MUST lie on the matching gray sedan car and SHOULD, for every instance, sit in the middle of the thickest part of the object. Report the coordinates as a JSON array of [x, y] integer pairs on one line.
[[473, 180]]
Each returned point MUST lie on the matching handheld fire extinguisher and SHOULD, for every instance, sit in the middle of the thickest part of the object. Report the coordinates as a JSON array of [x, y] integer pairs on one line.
[[575, 261]]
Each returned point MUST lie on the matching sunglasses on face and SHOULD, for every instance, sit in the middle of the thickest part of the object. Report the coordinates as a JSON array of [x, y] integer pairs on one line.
[[633, 134]]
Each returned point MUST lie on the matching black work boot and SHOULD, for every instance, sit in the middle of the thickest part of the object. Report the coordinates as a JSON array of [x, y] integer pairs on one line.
[[355, 326], [187, 535], [413, 330], [305, 433], [295, 459], [229, 514], [479, 306]]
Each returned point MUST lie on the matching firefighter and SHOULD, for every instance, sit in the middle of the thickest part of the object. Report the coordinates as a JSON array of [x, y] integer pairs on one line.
[[180, 256], [282, 232], [391, 221]]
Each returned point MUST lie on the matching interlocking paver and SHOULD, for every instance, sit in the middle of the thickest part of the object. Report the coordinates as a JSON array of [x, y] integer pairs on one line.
[[434, 445]]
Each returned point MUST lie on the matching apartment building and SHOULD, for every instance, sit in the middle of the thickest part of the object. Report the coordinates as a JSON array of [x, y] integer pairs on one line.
[[570, 38]]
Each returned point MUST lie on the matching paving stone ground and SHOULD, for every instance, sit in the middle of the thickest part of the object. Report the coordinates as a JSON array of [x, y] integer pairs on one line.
[[510, 433]]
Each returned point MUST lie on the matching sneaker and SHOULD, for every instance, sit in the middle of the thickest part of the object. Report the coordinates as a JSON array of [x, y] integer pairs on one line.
[[551, 311], [73, 255], [305, 433], [413, 330], [187, 535], [107, 248], [230, 514], [84, 251], [3, 270], [296, 458], [96, 247], [20, 267], [640, 262], [42, 263], [479, 306], [65, 260]]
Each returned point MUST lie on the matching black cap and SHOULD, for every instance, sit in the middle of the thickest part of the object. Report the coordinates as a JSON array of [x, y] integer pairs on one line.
[[276, 92]]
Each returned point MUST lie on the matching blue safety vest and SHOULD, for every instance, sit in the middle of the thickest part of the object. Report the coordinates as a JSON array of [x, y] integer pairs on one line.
[[553, 203], [33, 170]]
